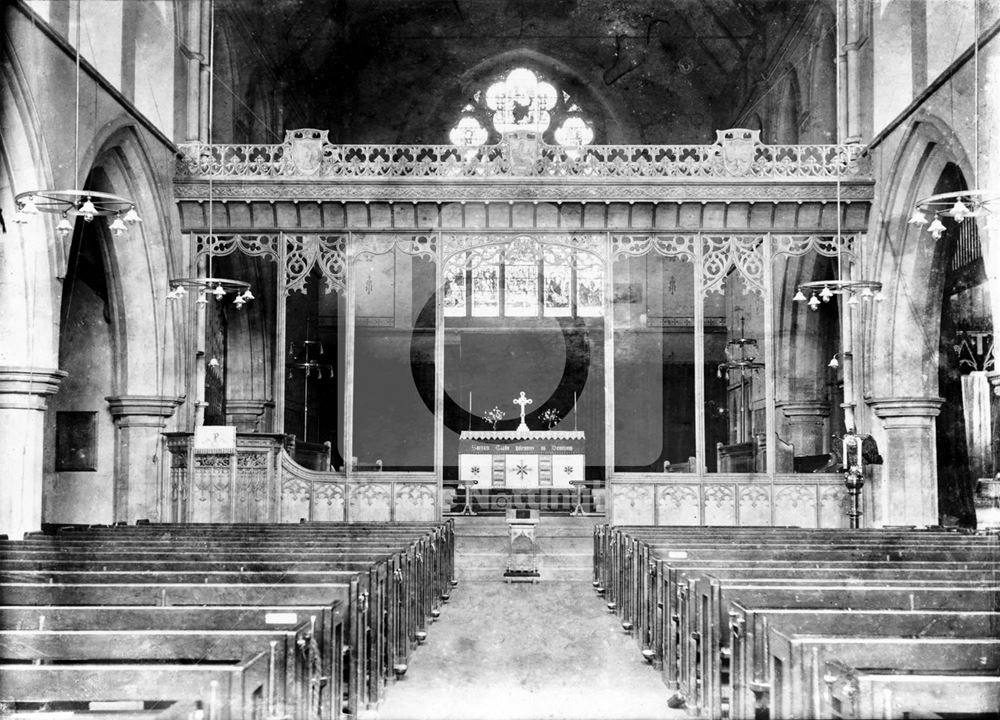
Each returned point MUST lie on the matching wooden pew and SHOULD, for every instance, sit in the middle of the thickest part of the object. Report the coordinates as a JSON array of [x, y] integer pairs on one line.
[[360, 566], [928, 550], [440, 535], [632, 594], [656, 600], [362, 664], [862, 694], [797, 665], [430, 563], [628, 555], [292, 667], [749, 676], [423, 586], [364, 611], [606, 537], [349, 595], [325, 624], [703, 633], [395, 596], [227, 691], [656, 596]]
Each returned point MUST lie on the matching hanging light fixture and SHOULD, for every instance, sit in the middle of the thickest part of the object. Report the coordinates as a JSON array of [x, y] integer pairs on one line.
[[307, 364], [816, 292], [741, 355], [199, 286], [821, 291], [962, 204], [741, 358], [72, 203]]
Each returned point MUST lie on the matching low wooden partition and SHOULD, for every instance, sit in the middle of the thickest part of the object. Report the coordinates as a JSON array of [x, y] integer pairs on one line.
[[259, 481], [817, 500]]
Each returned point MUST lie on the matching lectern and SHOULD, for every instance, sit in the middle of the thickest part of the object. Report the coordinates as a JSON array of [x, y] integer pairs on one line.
[[522, 553]]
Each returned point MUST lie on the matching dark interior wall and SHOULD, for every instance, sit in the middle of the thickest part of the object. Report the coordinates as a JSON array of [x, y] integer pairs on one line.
[[392, 423], [654, 400], [645, 71], [553, 361], [964, 307], [86, 354]]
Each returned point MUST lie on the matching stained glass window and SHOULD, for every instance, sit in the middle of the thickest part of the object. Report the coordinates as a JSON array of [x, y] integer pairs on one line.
[[521, 100], [558, 284], [589, 287], [469, 132], [486, 290], [454, 291], [521, 290], [574, 131], [514, 282]]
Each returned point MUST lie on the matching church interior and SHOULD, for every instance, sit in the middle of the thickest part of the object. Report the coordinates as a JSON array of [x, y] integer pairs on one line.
[[499, 359]]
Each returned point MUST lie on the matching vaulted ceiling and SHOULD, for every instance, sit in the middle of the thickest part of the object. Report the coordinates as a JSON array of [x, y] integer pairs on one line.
[[386, 71]]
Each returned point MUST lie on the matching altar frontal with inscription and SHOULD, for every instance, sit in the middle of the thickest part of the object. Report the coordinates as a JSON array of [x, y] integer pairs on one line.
[[515, 459]]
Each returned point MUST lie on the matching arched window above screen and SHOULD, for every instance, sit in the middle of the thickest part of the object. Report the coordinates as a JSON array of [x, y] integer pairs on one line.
[[521, 100]]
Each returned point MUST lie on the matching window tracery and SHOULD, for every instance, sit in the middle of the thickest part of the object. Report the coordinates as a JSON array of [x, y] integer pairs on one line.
[[521, 101]]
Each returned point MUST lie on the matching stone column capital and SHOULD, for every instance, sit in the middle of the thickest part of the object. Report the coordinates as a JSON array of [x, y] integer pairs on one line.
[[805, 408], [994, 380], [28, 388], [901, 411], [142, 410], [242, 406]]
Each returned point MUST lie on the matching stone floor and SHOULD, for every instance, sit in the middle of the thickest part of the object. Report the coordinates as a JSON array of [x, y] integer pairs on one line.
[[527, 652]]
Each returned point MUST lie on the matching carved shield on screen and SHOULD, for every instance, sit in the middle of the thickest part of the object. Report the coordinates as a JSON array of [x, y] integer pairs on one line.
[[738, 149], [305, 148], [522, 151]]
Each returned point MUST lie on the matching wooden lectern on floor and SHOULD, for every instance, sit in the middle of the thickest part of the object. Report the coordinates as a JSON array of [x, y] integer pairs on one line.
[[522, 552]]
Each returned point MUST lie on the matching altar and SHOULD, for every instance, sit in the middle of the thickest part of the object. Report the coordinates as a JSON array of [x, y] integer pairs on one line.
[[521, 459]]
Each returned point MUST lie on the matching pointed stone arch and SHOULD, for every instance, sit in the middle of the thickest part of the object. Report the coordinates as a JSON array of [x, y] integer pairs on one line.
[[902, 377], [147, 334]]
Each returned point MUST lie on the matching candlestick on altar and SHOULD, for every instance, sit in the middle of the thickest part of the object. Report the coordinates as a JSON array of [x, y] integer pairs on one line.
[[574, 411], [470, 410]]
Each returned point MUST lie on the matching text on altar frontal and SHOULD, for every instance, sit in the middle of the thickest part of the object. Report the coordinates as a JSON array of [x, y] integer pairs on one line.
[[521, 448]]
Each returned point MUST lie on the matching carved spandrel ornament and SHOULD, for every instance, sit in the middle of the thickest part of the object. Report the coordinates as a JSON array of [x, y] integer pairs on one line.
[[637, 245], [366, 245], [303, 252], [744, 252], [253, 245]]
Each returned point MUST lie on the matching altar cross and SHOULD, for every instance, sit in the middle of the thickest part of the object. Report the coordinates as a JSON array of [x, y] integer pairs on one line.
[[523, 402]]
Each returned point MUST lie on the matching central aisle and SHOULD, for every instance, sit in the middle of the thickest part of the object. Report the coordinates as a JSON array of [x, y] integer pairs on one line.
[[527, 652]]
